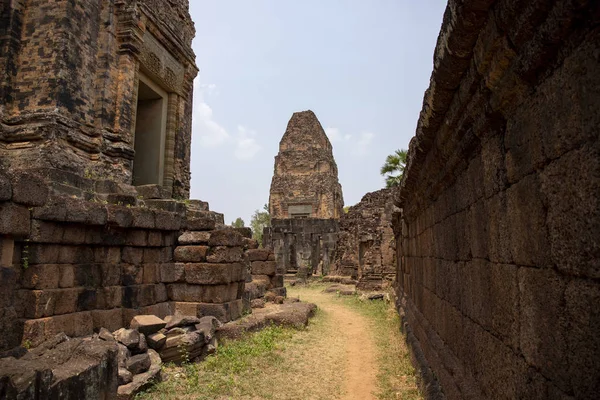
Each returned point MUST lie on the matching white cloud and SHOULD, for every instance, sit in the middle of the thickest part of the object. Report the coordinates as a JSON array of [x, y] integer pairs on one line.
[[206, 129], [363, 143], [246, 146], [208, 89], [210, 134], [335, 135]]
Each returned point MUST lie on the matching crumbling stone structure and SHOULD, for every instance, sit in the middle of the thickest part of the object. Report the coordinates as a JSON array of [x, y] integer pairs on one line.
[[366, 248], [305, 200], [71, 265], [95, 130], [101, 87], [498, 243]]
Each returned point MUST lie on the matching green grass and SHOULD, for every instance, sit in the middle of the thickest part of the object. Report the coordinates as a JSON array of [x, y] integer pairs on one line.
[[227, 373]]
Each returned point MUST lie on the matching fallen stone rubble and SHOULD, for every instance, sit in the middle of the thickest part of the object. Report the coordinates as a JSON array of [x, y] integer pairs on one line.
[[108, 364]]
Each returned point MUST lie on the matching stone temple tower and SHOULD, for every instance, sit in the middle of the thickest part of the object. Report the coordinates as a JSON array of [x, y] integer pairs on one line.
[[98, 88], [306, 199], [305, 181]]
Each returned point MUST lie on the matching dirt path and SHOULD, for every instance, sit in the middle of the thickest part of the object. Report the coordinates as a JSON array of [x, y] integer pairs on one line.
[[353, 347]]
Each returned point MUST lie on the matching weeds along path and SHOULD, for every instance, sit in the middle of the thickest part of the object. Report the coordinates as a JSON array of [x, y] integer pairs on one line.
[[353, 345], [350, 350]]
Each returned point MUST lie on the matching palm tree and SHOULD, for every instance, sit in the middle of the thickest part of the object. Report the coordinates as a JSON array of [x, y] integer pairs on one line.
[[393, 169]]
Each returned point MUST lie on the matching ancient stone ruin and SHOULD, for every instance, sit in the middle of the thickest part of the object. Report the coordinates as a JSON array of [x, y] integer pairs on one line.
[[499, 234], [305, 200], [96, 226], [366, 248]]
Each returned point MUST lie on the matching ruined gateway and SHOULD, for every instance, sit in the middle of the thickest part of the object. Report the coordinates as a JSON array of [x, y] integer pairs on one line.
[[305, 200]]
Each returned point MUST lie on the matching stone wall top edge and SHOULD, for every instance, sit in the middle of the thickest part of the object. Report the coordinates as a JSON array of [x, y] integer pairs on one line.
[[439, 93]]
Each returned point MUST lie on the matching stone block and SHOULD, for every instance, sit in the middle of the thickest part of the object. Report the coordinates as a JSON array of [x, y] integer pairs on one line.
[[35, 331], [51, 373], [36, 303], [12, 328], [42, 253], [85, 212], [119, 216], [111, 255], [14, 220], [5, 188], [277, 281], [132, 255], [161, 310], [88, 275], [55, 209], [7, 249], [263, 280], [172, 272], [223, 254], [194, 238], [258, 254], [111, 274], [109, 297], [155, 238], [29, 189], [109, 319], [148, 192], [204, 223], [76, 234], [166, 254], [147, 324], [46, 232], [142, 218], [203, 294], [500, 240], [75, 254], [132, 274], [137, 296], [250, 244], [228, 237], [526, 223], [151, 273], [583, 324], [212, 274], [190, 254], [245, 232], [160, 293], [167, 221], [185, 308], [264, 268], [570, 185], [44, 276], [137, 237], [543, 325], [8, 284]]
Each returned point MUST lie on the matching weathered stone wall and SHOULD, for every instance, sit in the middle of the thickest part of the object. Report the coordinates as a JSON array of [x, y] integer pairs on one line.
[[366, 249], [74, 265], [302, 244], [498, 249], [69, 84]]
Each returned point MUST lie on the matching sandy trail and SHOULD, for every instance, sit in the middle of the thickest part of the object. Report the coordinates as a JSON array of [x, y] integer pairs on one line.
[[355, 346]]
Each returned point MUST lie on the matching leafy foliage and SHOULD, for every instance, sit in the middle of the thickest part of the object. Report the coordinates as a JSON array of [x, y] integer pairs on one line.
[[259, 221], [238, 223], [393, 169]]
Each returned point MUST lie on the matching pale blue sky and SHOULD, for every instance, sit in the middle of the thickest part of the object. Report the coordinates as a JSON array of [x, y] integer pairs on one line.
[[361, 65]]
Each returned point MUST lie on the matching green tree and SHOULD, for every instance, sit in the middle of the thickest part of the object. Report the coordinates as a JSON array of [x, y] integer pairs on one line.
[[259, 221], [393, 169], [238, 223]]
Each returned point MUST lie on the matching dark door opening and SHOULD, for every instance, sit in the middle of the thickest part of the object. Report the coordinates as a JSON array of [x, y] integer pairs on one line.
[[150, 129]]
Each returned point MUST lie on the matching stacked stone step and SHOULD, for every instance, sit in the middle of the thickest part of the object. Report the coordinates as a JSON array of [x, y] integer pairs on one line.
[[208, 276], [265, 271]]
